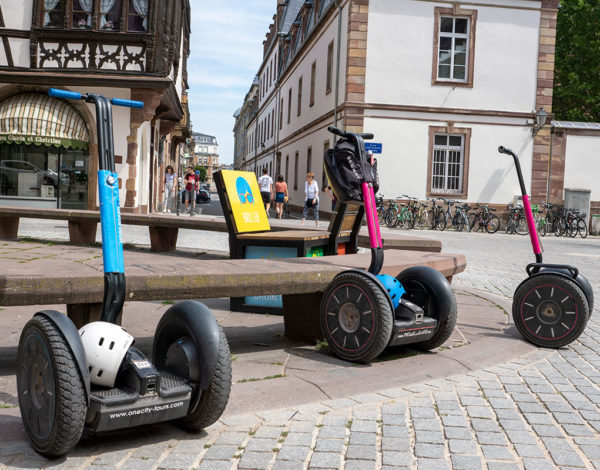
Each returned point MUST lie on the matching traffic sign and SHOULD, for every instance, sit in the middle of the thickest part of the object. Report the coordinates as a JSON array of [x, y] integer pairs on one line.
[[374, 147]]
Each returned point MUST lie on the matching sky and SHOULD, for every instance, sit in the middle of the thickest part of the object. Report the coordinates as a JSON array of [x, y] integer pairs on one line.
[[225, 54]]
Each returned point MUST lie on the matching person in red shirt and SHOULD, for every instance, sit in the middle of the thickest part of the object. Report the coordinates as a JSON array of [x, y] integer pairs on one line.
[[191, 181]]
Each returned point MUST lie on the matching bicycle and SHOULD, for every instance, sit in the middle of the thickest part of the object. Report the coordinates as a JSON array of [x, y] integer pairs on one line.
[[436, 212], [516, 222], [484, 219]]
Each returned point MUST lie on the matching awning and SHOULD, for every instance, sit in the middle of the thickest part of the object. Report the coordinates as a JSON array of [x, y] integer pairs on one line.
[[34, 118]]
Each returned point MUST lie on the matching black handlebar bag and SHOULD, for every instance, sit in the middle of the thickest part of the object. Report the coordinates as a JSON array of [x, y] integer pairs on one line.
[[346, 172]]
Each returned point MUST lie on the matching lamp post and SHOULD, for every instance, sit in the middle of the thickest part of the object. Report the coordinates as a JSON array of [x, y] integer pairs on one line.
[[540, 120]]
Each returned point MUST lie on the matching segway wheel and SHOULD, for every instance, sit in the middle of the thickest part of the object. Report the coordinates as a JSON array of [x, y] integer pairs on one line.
[[430, 290], [550, 311], [356, 317], [213, 400], [52, 396]]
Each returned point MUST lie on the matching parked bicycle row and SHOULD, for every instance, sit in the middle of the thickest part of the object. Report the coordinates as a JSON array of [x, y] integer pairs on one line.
[[440, 214]]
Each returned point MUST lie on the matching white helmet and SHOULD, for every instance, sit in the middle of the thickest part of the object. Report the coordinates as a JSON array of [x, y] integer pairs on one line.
[[105, 346]]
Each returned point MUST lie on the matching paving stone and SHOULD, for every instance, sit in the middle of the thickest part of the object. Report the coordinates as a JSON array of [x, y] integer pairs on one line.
[[557, 444], [485, 425], [459, 421], [301, 438], [591, 452], [287, 465], [545, 430], [361, 452], [427, 424], [329, 445], [432, 464], [529, 450], [568, 418], [395, 420], [433, 451], [363, 425], [394, 431], [492, 438], [363, 438], [566, 458], [325, 460], [430, 437], [497, 453], [289, 452], [458, 433], [538, 418], [233, 438], [503, 466], [257, 444], [528, 407], [466, 462], [578, 430], [359, 465], [220, 452], [268, 431], [479, 412], [395, 443], [255, 460], [460, 446], [396, 459], [214, 465], [178, 461], [417, 412]]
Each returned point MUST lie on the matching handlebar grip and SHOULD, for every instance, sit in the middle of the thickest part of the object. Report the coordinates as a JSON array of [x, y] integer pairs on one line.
[[127, 103], [504, 150], [336, 131], [367, 136], [68, 95]]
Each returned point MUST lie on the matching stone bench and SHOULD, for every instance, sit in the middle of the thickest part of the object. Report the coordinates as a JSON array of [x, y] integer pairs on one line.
[[45, 275], [164, 229]]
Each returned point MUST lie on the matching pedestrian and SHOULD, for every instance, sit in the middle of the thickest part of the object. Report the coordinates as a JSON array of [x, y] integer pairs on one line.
[[169, 189], [190, 187], [333, 197], [311, 198], [266, 189], [281, 195]]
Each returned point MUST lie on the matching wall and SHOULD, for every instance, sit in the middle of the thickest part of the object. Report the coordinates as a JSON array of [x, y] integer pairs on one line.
[[582, 164], [400, 57]]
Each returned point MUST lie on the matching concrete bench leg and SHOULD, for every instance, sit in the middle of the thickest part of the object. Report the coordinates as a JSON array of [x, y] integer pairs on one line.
[[9, 227], [301, 317], [82, 314], [82, 233], [163, 238]]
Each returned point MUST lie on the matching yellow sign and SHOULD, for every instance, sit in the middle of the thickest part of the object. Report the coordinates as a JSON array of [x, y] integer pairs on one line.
[[245, 201]]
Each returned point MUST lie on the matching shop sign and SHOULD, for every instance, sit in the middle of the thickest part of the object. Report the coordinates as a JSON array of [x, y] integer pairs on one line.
[[42, 140], [245, 201]]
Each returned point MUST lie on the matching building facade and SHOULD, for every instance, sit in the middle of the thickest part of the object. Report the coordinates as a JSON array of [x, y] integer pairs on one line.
[[206, 154], [441, 85], [130, 49]]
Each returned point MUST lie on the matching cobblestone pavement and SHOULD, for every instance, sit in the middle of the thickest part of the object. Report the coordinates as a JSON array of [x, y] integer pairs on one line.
[[540, 411]]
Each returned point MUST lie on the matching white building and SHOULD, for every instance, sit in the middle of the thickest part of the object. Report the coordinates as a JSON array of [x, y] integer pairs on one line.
[[206, 154], [441, 85]]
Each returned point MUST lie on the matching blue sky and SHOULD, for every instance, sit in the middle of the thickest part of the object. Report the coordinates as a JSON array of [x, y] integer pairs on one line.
[[225, 53]]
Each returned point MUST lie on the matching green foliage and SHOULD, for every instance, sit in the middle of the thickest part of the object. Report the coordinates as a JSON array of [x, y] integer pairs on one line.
[[577, 68], [202, 171]]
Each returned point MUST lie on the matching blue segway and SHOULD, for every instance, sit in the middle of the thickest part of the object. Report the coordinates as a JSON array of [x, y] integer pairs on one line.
[[94, 378]]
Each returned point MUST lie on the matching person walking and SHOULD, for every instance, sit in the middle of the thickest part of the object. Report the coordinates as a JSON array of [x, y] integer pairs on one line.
[[266, 189], [281, 195], [190, 188], [311, 198], [169, 189], [333, 197]]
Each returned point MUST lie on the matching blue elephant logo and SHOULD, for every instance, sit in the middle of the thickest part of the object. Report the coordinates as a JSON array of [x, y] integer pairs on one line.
[[244, 191]]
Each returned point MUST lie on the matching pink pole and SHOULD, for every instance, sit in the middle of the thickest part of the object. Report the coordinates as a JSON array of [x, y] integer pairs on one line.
[[370, 211], [535, 242]]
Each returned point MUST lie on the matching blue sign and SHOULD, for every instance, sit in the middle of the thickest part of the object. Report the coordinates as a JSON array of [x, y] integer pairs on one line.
[[268, 252], [374, 147]]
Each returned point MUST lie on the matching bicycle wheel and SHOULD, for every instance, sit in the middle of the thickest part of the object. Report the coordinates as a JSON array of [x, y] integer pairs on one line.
[[572, 228], [441, 221], [560, 226], [458, 222], [542, 227], [423, 219], [410, 220], [431, 219], [381, 215], [521, 226], [493, 224], [391, 217], [473, 221], [286, 210], [508, 228], [582, 228]]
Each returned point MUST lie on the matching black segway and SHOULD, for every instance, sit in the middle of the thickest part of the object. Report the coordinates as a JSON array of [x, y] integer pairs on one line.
[[552, 306], [363, 312], [94, 377]]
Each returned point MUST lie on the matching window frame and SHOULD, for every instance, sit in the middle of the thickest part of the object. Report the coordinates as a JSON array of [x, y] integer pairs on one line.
[[453, 131], [296, 158], [325, 181], [289, 114], [329, 78], [309, 159], [313, 78], [455, 12], [299, 112]]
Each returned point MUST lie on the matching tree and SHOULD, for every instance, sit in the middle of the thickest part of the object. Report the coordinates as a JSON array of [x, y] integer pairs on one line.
[[202, 170], [577, 68]]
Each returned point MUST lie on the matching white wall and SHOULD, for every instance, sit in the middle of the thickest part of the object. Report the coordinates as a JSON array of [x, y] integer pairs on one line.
[[17, 13], [582, 164], [400, 57], [492, 178]]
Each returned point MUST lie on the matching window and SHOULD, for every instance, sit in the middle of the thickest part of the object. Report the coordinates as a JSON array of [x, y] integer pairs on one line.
[[313, 73], [309, 160], [329, 68], [289, 105], [137, 15], [281, 114], [287, 167], [296, 172], [454, 47], [448, 161], [268, 128], [299, 96], [110, 15], [82, 14], [325, 182], [272, 122], [54, 13]]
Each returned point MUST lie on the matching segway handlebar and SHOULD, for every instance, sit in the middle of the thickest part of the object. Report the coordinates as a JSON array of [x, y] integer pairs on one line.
[[73, 95], [341, 133]]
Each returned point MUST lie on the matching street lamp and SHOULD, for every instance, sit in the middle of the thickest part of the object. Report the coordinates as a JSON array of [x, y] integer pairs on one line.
[[262, 146], [540, 120]]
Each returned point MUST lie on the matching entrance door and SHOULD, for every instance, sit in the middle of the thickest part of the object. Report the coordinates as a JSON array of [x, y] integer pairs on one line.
[[74, 179]]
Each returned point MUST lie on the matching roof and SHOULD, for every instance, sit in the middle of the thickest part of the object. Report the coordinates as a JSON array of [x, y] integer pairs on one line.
[[204, 138], [593, 126], [237, 112], [289, 15]]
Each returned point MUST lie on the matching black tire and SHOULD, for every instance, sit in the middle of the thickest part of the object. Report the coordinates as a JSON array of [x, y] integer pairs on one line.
[[391, 217], [473, 221], [572, 228], [431, 219], [540, 318], [560, 226], [542, 227], [54, 407], [214, 399], [441, 221], [582, 228], [493, 224], [430, 290], [356, 317], [381, 215]]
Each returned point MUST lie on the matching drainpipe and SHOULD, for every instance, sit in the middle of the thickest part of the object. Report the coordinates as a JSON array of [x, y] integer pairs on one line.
[[337, 67], [550, 164]]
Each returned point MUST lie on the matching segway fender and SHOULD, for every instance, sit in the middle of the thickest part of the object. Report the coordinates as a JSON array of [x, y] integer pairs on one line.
[[373, 278], [201, 326], [436, 284], [71, 335], [580, 280]]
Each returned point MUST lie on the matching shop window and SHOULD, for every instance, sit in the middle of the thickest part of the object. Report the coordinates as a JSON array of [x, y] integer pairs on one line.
[[54, 13]]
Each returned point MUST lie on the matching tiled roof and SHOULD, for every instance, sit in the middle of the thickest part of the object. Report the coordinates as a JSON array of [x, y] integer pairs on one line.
[[290, 14]]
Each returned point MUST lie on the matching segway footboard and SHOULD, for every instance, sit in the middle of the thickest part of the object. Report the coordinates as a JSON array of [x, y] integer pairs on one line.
[[411, 325], [167, 398]]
